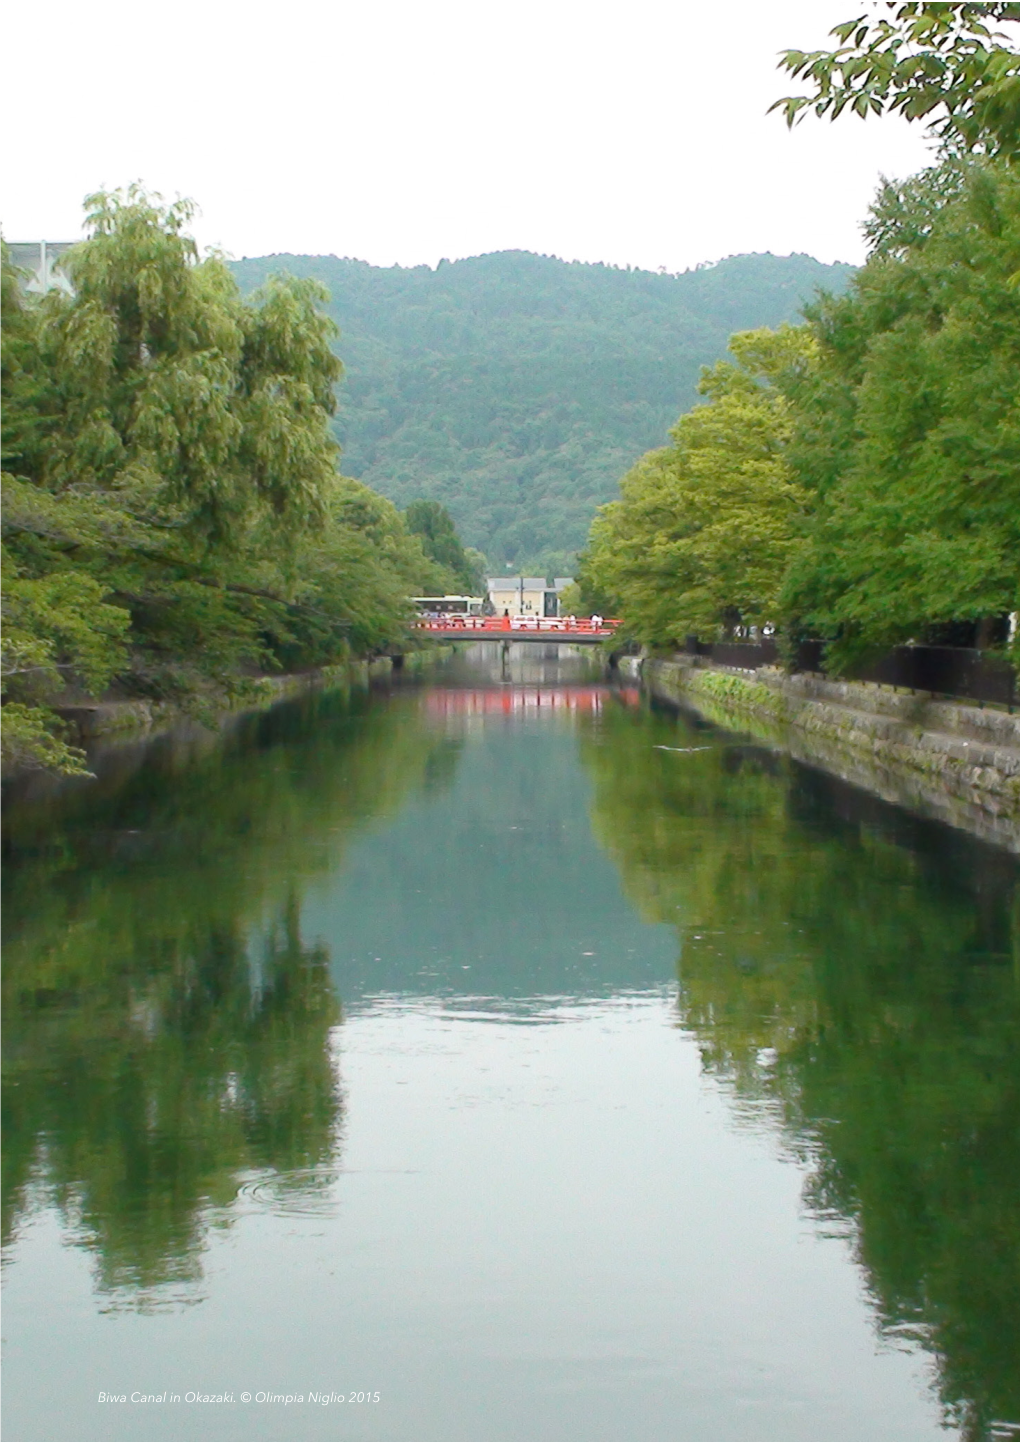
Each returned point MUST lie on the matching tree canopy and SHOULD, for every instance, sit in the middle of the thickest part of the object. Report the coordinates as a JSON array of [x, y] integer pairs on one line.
[[907, 430], [704, 529], [945, 64], [173, 513], [856, 478], [433, 524]]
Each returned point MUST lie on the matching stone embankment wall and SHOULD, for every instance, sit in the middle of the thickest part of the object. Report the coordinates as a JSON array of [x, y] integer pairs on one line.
[[957, 762], [108, 720]]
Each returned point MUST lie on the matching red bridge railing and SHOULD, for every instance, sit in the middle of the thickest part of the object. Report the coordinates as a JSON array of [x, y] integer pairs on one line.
[[508, 626]]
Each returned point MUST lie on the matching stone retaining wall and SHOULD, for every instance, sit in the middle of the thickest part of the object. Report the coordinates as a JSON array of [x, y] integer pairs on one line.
[[110, 719], [960, 763]]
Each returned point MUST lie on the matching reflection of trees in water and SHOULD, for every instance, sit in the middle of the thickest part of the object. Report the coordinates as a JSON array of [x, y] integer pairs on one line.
[[137, 1118], [860, 972], [166, 1027]]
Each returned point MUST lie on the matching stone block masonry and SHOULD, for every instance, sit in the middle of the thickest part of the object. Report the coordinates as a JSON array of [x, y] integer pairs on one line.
[[956, 762]]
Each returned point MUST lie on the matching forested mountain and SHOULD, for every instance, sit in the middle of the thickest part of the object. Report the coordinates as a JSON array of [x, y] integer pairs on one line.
[[517, 389]]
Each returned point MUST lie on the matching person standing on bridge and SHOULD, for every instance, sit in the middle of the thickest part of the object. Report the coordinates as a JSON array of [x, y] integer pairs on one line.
[[596, 622]]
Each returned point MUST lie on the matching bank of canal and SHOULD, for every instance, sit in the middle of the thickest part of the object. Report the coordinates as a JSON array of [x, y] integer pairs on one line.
[[941, 758], [542, 1061]]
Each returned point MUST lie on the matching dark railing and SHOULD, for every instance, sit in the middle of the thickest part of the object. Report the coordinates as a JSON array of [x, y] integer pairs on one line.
[[946, 671], [936, 670], [746, 655]]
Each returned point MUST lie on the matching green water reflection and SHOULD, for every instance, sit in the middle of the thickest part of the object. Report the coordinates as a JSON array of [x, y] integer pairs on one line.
[[857, 971], [166, 1029], [850, 973]]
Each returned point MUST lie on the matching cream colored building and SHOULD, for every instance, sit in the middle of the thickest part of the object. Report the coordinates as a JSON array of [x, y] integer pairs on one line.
[[526, 595]]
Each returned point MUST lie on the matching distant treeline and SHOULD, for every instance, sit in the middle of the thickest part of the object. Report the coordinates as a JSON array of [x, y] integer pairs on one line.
[[856, 477], [516, 388]]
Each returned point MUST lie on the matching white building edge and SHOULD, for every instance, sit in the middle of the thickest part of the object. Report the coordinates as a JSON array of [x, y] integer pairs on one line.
[[41, 260]]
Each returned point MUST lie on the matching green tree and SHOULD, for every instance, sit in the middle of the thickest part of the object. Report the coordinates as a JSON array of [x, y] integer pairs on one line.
[[704, 529], [433, 523], [173, 515], [906, 431], [945, 64]]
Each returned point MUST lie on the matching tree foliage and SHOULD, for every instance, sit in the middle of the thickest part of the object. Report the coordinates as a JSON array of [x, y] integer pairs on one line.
[[907, 432], [860, 480], [945, 64], [172, 506], [433, 524], [704, 529]]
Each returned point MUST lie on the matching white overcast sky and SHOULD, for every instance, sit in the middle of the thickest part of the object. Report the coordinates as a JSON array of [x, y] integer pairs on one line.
[[397, 131]]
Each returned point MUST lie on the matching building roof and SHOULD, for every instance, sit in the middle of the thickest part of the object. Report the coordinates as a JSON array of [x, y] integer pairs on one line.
[[513, 583]]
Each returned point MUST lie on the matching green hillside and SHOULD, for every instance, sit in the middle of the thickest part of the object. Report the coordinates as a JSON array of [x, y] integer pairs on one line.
[[517, 389]]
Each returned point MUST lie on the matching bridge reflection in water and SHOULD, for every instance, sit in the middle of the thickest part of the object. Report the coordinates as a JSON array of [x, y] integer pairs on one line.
[[519, 700]]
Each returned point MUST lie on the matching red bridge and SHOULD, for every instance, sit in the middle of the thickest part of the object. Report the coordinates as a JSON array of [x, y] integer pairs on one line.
[[514, 628]]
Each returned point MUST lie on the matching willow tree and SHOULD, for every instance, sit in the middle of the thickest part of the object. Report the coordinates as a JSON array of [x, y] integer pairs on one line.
[[168, 464], [704, 529]]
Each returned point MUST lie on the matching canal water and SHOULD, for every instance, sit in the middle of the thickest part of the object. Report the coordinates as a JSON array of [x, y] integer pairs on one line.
[[497, 1058]]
